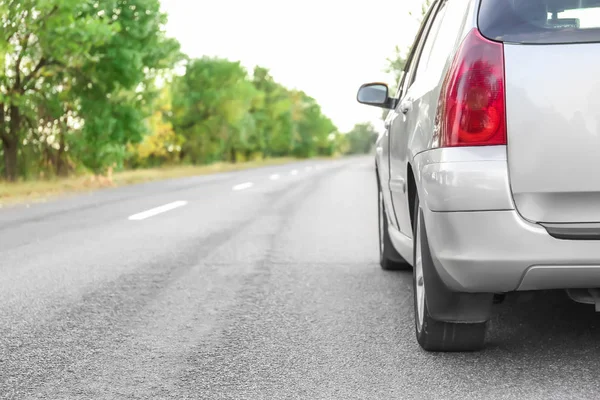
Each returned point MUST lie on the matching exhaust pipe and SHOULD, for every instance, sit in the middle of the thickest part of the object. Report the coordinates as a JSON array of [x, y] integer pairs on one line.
[[585, 296]]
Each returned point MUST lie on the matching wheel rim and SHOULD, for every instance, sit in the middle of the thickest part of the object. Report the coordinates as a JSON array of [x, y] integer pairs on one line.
[[381, 216], [419, 283]]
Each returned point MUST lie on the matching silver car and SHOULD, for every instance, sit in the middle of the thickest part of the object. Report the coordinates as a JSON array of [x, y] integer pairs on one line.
[[489, 166]]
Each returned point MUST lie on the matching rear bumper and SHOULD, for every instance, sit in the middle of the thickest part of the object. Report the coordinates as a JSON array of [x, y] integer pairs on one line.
[[479, 242], [464, 179], [498, 251]]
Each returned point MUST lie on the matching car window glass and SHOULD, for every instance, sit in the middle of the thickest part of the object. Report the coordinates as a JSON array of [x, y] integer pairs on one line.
[[408, 75], [540, 21], [432, 37], [409, 67], [399, 89], [447, 37], [410, 78]]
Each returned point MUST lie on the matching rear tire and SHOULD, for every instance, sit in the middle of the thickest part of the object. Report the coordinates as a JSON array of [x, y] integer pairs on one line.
[[434, 335], [389, 259]]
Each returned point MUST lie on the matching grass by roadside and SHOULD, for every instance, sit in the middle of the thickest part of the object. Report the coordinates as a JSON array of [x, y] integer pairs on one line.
[[35, 191]]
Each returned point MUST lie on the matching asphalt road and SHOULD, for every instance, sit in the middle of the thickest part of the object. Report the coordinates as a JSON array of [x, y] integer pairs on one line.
[[261, 284]]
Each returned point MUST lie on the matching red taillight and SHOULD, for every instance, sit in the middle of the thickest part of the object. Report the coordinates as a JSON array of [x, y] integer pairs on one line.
[[471, 110]]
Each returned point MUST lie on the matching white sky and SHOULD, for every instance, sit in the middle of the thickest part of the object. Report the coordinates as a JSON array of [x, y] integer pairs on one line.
[[327, 48]]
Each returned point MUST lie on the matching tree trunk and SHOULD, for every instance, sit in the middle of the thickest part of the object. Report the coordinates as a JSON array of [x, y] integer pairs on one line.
[[10, 160], [61, 166], [15, 121], [233, 155], [11, 145]]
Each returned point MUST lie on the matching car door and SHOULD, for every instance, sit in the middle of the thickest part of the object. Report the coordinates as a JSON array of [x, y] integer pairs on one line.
[[399, 123], [382, 150]]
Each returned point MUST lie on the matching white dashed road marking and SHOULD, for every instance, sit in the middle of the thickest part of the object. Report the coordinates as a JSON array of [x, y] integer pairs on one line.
[[274, 177], [243, 186], [294, 172], [158, 210]]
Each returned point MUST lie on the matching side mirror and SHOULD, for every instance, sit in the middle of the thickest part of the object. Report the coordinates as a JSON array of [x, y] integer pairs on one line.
[[375, 94]]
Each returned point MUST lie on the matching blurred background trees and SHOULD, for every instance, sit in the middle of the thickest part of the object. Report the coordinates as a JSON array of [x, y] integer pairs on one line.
[[89, 85], [76, 81], [361, 138]]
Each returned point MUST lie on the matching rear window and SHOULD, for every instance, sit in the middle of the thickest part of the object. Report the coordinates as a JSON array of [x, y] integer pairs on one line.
[[540, 21]]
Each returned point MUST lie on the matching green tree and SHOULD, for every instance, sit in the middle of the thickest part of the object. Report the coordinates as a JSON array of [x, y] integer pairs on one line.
[[313, 130], [161, 145], [272, 113], [211, 109], [222, 112], [40, 40], [79, 90], [82, 65], [361, 138], [117, 95]]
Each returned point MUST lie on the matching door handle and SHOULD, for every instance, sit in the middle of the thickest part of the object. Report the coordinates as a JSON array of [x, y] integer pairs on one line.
[[406, 106]]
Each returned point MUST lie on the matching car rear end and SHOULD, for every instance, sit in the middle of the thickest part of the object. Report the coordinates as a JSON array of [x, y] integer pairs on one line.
[[512, 184]]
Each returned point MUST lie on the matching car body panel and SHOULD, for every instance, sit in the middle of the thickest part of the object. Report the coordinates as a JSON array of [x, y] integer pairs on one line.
[[398, 170], [492, 251], [403, 244], [465, 179], [382, 150], [553, 125], [541, 277], [411, 124]]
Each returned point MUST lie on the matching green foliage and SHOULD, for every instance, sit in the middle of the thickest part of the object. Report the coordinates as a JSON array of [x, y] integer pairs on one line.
[[88, 84], [272, 113], [223, 113], [395, 64], [162, 145], [211, 103], [314, 130], [361, 138], [83, 68], [114, 100]]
